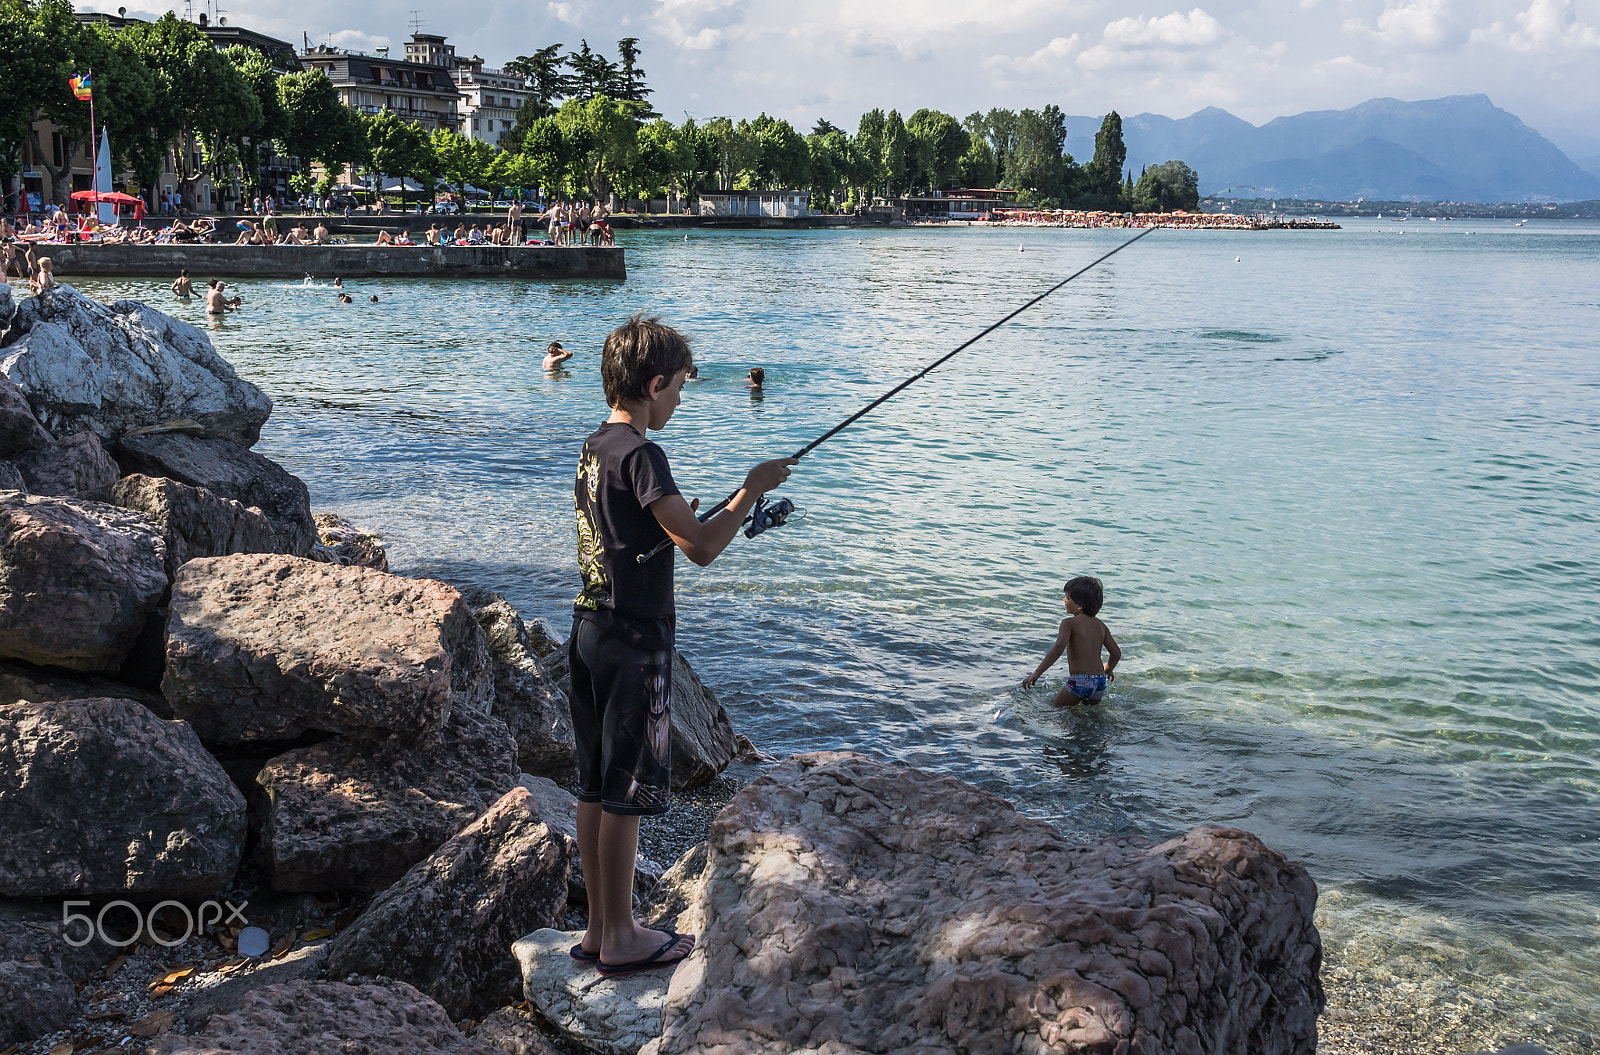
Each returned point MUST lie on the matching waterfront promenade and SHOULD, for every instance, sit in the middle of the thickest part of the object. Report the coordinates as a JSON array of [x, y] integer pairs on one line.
[[350, 260]]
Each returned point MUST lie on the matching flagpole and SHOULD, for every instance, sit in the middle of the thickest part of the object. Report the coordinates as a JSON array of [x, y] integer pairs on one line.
[[94, 146]]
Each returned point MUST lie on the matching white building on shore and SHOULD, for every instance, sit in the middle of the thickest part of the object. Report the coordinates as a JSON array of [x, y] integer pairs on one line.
[[489, 100]]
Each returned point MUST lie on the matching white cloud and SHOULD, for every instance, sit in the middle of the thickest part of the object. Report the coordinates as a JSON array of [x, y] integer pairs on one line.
[[699, 25], [567, 13], [1415, 24], [1176, 30], [1546, 25], [355, 40]]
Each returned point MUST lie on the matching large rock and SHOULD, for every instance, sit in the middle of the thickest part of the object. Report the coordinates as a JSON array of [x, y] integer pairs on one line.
[[328, 1018], [104, 799], [266, 646], [526, 698], [194, 522], [111, 368], [10, 479], [227, 470], [348, 814], [613, 1016], [871, 906], [19, 429], [703, 741], [34, 1000], [78, 581], [448, 924], [515, 1031], [76, 467]]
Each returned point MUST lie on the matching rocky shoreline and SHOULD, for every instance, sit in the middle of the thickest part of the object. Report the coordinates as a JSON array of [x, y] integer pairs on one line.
[[222, 713]]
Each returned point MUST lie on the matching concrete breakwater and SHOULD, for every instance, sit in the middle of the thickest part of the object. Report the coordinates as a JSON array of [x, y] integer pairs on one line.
[[350, 261]]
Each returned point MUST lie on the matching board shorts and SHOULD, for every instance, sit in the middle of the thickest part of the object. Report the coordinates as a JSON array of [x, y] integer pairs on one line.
[[1088, 688], [622, 721]]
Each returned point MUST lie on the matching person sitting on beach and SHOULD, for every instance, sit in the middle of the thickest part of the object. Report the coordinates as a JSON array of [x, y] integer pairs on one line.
[[756, 378], [621, 645], [181, 286], [555, 355], [384, 238], [461, 234], [321, 234], [246, 230], [216, 303], [404, 239], [433, 235], [1081, 637]]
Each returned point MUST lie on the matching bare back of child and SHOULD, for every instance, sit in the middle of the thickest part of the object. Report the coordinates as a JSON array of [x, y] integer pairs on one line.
[[1082, 637]]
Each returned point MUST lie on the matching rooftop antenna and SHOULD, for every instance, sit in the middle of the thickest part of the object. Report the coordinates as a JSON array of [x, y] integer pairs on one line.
[[417, 21]]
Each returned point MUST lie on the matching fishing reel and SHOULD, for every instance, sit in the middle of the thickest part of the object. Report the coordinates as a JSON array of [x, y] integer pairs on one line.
[[767, 515]]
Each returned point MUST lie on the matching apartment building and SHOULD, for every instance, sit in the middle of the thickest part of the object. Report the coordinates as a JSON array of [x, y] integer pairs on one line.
[[418, 88], [489, 100]]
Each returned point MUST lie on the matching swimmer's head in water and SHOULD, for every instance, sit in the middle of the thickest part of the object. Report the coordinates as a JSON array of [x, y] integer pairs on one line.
[[554, 347], [372, 299], [758, 376], [1087, 593]]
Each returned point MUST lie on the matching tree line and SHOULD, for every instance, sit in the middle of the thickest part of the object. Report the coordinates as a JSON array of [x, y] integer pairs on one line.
[[171, 100]]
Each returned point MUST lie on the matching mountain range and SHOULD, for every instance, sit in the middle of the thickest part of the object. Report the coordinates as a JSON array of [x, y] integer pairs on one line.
[[1461, 148]]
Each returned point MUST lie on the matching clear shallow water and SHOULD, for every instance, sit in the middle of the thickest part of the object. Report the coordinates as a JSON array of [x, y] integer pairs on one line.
[[1342, 492]]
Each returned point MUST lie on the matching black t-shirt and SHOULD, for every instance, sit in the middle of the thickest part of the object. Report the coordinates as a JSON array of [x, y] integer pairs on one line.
[[619, 475]]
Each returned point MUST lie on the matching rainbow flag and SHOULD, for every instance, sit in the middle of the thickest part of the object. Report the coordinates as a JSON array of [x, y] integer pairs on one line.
[[80, 86]]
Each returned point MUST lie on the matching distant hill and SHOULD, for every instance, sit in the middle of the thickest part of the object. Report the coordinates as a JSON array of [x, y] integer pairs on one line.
[[1460, 148]]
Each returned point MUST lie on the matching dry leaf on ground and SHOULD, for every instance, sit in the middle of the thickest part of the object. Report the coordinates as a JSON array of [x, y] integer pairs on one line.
[[284, 945], [154, 1024], [316, 934], [173, 976], [113, 967]]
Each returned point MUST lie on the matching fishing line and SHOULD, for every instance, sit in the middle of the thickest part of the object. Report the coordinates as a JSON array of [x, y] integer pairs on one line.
[[765, 516]]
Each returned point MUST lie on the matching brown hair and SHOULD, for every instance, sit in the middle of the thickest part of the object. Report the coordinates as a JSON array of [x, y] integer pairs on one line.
[[640, 349], [758, 375]]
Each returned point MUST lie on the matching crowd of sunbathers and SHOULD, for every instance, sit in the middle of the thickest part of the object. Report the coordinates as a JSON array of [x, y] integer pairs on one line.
[[562, 223]]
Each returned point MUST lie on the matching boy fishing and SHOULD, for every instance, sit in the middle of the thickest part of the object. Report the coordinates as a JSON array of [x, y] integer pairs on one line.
[[1081, 637], [622, 631]]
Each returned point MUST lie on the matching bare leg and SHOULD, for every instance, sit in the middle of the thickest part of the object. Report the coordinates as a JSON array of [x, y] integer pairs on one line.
[[1064, 698], [610, 842]]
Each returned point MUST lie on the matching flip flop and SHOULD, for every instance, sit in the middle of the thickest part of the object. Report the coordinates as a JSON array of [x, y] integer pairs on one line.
[[649, 963], [577, 953]]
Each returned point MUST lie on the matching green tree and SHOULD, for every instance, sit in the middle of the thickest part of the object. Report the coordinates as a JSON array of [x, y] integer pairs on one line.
[[254, 149], [29, 71], [1000, 128], [542, 71], [1167, 187], [396, 147], [629, 83], [938, 145], [1037, 166], [546, 148], [1104, 173], [778, 156], [666, 160], [204, 100], [592, 73], [462, 161], [320, 127], [978, 166], [869, 174], [602, 140], [896, 155], [831, 167]]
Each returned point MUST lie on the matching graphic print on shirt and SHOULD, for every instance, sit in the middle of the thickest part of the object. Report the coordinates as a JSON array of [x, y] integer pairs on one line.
[[596, 587]]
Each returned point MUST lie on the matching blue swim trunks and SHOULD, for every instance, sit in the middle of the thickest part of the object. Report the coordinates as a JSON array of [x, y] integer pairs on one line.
[[1088, 688]]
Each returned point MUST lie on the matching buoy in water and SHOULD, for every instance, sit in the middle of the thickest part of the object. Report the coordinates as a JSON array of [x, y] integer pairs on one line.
[[1235, 260]]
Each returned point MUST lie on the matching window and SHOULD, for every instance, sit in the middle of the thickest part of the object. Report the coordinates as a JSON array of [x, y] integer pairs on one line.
[[505, 126], [474, 124]]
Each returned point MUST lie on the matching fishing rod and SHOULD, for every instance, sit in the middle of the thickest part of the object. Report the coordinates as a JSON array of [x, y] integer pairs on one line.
[[770, 515]]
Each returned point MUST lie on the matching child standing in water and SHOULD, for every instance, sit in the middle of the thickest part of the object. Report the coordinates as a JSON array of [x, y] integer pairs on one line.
[[1082, 636]]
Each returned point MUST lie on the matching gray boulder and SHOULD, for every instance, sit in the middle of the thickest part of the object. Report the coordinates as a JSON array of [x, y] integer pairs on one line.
[[26, 683], [703, 741], [8, 304], [266, 647], [104, 799], [10, 479], [194, 522], [870, 906], [328, 1018], [448, 924], [515, 1031], [78, 581], [35, 1000], [110, 368], [76, 467], [227, 470], [353, 815], [19, 429], [612, 1016], [526, 698]]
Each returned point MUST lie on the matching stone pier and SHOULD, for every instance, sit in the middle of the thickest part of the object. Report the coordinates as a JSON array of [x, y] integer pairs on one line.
[[347, 261]]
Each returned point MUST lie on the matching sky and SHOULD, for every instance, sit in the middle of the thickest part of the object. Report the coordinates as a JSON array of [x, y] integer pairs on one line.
[[1539, 59]]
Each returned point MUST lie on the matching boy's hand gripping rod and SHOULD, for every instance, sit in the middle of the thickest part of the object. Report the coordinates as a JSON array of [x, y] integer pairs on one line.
[[908, 382]]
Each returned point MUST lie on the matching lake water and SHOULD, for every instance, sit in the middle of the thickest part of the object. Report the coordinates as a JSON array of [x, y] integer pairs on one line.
[[1341, 488]]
